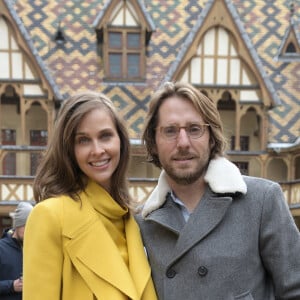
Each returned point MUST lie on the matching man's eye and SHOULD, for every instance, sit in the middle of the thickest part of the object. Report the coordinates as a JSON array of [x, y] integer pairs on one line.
[[170, 130], [194, 129]]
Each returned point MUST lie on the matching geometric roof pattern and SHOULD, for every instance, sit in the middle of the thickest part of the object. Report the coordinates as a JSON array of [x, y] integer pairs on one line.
[[77, 66]]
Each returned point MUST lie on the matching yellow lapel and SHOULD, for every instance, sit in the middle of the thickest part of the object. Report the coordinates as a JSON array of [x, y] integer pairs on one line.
[[138, 263], [93, 252]]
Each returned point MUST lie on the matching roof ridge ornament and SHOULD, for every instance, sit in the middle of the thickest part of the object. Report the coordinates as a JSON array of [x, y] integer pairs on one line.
[[59, 36], [292, 9]]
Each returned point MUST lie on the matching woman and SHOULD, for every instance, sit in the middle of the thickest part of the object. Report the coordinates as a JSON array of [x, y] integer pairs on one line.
[[81, 242]]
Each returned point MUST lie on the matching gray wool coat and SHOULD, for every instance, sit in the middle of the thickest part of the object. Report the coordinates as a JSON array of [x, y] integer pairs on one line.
[[240, 242]]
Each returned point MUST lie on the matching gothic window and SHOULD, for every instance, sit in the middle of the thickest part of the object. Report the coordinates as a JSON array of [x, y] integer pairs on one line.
[[8, 137], [244, 143], [37, 138]]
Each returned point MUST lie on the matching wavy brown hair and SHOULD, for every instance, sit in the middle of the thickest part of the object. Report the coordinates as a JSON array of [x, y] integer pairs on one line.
[[58, 172], [205, 106]]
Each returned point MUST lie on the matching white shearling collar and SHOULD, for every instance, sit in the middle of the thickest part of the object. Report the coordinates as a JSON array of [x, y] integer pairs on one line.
[[222, 176]]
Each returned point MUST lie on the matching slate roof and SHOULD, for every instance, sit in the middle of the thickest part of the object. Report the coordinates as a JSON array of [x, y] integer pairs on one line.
[[76, 65]]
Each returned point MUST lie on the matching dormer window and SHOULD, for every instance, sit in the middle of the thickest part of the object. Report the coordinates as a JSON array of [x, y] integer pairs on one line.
[[291, 48], [123, 31], [124, 52]]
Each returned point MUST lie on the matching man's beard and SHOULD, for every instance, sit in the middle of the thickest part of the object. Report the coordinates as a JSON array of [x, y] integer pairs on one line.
[[182, 177]]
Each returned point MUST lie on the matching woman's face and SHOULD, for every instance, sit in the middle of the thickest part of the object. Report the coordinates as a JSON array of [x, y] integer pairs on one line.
[[97, 147]]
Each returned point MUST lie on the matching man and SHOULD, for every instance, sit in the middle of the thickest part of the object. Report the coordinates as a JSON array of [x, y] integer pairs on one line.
[[211, 233], [11, 256]]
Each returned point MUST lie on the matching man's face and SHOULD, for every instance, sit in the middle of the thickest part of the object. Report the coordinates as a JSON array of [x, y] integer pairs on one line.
[[184, 158]]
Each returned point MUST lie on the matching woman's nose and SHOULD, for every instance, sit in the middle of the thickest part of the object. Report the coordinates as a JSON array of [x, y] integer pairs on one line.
[[97, 148]]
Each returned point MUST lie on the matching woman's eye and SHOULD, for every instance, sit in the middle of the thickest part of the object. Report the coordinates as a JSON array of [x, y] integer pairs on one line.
[[106, 135], [82, 140]]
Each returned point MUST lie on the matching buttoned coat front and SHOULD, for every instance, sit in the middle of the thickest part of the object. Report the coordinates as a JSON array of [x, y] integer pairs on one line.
[[240, 242], [79, 258]]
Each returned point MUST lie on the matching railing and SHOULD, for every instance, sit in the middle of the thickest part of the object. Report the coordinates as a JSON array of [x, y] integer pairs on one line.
[[291, 191], [14, 188]]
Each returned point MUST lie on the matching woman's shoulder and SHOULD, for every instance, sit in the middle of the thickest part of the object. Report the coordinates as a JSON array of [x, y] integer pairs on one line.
[[56, 205], [54, 202]]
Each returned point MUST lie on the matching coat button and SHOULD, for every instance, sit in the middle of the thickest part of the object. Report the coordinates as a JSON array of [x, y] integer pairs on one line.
[[202, 271], [171, 273]]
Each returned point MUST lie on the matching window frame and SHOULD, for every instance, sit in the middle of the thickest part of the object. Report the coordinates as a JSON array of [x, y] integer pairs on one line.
[[243, 167], [9, 162], [37, 138], [244, 143], [124, 51]]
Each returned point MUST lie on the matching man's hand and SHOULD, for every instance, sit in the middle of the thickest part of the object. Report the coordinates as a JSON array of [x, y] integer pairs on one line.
[[18, 285]]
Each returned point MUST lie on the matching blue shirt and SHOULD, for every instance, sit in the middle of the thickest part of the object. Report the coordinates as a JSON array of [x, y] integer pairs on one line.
[[185, 213]]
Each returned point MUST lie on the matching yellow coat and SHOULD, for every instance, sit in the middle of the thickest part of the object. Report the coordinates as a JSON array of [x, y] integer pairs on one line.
[[69, 255]]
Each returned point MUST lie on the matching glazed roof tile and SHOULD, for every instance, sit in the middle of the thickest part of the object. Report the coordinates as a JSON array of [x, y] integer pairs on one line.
[[76, 65]]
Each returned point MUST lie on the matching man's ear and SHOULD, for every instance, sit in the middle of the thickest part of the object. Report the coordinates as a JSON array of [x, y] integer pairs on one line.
[[212, 143]]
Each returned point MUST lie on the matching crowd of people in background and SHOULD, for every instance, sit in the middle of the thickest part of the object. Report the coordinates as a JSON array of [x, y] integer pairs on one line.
[[11, 255]]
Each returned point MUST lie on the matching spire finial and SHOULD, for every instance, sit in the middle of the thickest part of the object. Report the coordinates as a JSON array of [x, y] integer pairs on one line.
[[292, 8]]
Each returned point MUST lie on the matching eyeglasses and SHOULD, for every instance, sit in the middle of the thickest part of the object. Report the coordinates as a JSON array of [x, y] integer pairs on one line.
[[194, 131]]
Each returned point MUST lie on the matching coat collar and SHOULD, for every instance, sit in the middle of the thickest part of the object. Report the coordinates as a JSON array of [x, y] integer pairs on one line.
[[206, 217], [90, 248], [222, 176]]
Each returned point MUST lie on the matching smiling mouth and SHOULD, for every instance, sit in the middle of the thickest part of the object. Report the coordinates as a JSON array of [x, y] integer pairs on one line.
[[182, 158], [99, 163]]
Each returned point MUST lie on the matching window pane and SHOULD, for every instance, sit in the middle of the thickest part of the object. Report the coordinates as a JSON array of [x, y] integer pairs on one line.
[[8, 137], [9, 164], [115, 68], [133, 65], [34, 162], [291, 48], [38, 137], [244, 143], [133, 40], [115, 40], [243, 166]]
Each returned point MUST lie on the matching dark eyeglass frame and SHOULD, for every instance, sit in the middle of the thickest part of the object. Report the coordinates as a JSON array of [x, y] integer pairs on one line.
[[193, 131]]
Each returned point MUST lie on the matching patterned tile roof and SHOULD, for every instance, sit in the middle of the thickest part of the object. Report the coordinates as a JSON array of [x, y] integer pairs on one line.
[[36, 55], [76, 66]]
